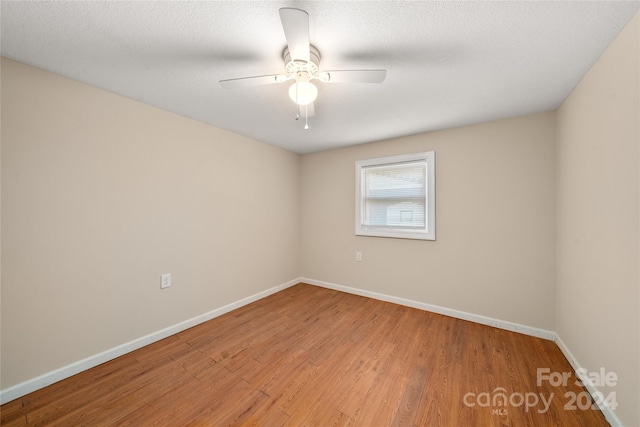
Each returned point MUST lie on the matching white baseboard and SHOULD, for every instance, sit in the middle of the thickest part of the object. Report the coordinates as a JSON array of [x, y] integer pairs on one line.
[[608, 413], [44, 380], [496, 323]]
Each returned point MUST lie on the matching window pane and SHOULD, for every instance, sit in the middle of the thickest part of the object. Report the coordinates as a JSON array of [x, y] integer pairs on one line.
[[394, 195]]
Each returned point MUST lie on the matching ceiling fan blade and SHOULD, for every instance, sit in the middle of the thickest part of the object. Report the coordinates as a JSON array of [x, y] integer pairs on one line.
[[353, 76], [295, 23], [252, 81]]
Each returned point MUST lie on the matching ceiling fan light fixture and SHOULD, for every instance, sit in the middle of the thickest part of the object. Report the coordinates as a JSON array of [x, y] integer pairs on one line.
[[303, 92]]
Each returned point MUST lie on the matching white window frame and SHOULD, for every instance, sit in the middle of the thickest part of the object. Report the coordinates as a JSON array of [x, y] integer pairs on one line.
[[429, 233]]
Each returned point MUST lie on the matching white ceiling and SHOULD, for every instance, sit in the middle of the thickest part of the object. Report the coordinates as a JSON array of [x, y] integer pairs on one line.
[[448, 64]]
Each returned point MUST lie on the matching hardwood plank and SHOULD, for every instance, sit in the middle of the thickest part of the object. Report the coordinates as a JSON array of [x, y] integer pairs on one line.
[[317, 357], [382, 405], [267, 415], [373, 367], [138, 391], [13, 414], [411, 396], [104, 373], [288, 389], [331, 418]]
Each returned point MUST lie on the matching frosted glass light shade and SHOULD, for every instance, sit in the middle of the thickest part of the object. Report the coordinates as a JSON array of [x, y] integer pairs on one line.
[[306, 93]]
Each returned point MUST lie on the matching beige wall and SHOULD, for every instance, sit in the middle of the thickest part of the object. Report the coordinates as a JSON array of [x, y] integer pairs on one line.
[[495, 214], [598, 149], [101, 195]]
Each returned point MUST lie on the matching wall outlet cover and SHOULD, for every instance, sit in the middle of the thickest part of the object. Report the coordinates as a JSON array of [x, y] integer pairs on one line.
[[165, 280]]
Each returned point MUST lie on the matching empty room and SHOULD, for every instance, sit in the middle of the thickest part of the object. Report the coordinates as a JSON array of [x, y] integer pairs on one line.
[[315, 213]]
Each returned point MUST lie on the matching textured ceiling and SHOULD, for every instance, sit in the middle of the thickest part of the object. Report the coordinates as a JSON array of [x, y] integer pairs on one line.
[[448, 64]]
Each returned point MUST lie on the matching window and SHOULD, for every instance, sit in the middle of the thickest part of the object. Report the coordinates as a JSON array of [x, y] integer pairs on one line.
[[395, 197]]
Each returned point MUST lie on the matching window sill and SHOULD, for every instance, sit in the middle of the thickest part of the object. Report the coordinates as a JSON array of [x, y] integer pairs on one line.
[[415, 235]]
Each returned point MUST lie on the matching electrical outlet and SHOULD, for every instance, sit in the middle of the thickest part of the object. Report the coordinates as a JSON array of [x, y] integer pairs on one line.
[[358, 256], [165, 280]]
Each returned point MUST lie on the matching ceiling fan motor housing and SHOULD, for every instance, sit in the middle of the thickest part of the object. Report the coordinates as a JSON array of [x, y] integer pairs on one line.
[[294, 66]]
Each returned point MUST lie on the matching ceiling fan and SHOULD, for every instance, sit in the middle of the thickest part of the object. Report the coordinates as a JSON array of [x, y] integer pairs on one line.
[[302, 66]]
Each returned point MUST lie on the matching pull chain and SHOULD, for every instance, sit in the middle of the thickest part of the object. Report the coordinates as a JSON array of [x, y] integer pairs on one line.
[[306, 108], [297, 105], [306, 117]]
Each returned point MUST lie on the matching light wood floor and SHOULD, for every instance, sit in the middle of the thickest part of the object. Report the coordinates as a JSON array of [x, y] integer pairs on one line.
[[316, 357]]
